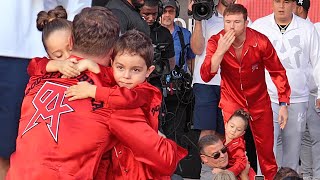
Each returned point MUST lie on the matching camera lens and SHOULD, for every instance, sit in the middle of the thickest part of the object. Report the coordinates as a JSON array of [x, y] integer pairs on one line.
[[202, 11]]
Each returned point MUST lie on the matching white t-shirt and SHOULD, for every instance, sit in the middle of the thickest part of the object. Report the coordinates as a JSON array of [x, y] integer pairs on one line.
[[209, 27]]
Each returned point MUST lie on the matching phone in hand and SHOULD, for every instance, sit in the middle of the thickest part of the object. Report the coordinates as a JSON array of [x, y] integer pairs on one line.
[[259, 177]]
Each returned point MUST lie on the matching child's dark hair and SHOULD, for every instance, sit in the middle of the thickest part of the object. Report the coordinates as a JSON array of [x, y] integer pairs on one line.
[[53, 20], [135, 43], [286, 173], [245, 116]]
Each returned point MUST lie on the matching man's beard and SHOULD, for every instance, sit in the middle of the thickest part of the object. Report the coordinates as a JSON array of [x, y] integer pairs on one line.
[[137, 4]]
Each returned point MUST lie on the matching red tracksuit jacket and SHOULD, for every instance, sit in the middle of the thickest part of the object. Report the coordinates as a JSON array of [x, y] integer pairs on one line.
[[58, 139], [243, 82]]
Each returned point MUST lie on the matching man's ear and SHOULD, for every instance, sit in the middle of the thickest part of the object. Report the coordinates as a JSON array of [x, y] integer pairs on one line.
[[300, 9], [246, 23], [204, 159], [108, 58], [149, 70]]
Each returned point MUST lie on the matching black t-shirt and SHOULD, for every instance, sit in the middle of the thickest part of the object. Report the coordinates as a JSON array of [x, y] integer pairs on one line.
[[128, 17]]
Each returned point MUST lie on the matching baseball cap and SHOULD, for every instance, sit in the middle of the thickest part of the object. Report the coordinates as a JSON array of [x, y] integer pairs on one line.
[[304, 3], [171, 3]]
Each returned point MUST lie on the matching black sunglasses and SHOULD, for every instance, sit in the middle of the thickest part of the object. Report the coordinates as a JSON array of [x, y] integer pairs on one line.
[[216, 155]]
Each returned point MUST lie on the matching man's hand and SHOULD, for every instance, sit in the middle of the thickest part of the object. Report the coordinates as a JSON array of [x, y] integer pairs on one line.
[[244, 175], [318, 103], [283, 116], [190, 5], [225, 42], [81, 91]]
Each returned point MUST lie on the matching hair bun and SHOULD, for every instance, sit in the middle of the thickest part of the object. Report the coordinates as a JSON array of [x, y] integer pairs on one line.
[[242, 112], [42, 20], [43, 17]]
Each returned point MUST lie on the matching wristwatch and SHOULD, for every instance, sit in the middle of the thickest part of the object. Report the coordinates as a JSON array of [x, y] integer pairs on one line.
[[283, 104]]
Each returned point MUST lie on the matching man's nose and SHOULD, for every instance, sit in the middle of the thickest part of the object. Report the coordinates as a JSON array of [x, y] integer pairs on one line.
[[281, 4], [222, 155], [232, 25]]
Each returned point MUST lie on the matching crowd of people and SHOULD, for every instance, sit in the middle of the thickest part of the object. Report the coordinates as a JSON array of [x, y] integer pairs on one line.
[[105, 92]]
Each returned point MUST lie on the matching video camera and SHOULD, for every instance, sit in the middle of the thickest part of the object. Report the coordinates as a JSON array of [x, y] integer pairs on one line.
[[162, 65], [203, 9]]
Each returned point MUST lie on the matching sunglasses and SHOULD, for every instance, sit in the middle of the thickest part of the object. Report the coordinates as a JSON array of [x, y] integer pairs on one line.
[[216, 155]]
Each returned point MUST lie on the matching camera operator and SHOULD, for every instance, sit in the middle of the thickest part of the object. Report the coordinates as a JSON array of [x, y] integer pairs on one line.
[[207, 114], [181, 36], [162, 40], [177, 92], [163, 50]]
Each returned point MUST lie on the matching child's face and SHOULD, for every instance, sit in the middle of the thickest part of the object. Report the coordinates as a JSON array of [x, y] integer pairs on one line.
[[58, 44], [130, 70], [235, 127]]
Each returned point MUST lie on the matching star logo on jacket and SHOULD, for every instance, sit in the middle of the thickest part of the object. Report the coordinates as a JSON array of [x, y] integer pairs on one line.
[[255, 67], [49, 106]]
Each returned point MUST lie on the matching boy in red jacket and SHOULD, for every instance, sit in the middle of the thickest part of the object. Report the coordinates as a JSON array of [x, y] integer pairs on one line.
[[131, 65]]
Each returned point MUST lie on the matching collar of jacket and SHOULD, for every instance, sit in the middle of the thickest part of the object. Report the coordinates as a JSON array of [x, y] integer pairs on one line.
[[293, 24]]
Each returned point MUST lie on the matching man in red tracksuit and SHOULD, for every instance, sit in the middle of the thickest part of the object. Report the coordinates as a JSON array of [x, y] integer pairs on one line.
[[243, 55], [58, 139]]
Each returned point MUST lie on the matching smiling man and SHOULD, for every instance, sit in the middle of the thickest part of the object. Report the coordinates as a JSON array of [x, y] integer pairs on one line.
[[213, 155]]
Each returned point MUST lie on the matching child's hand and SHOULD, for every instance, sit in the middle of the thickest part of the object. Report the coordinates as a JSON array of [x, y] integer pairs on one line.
[[161, 134], [87, 64], [81, 91], [68, 68], [216, 170]]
